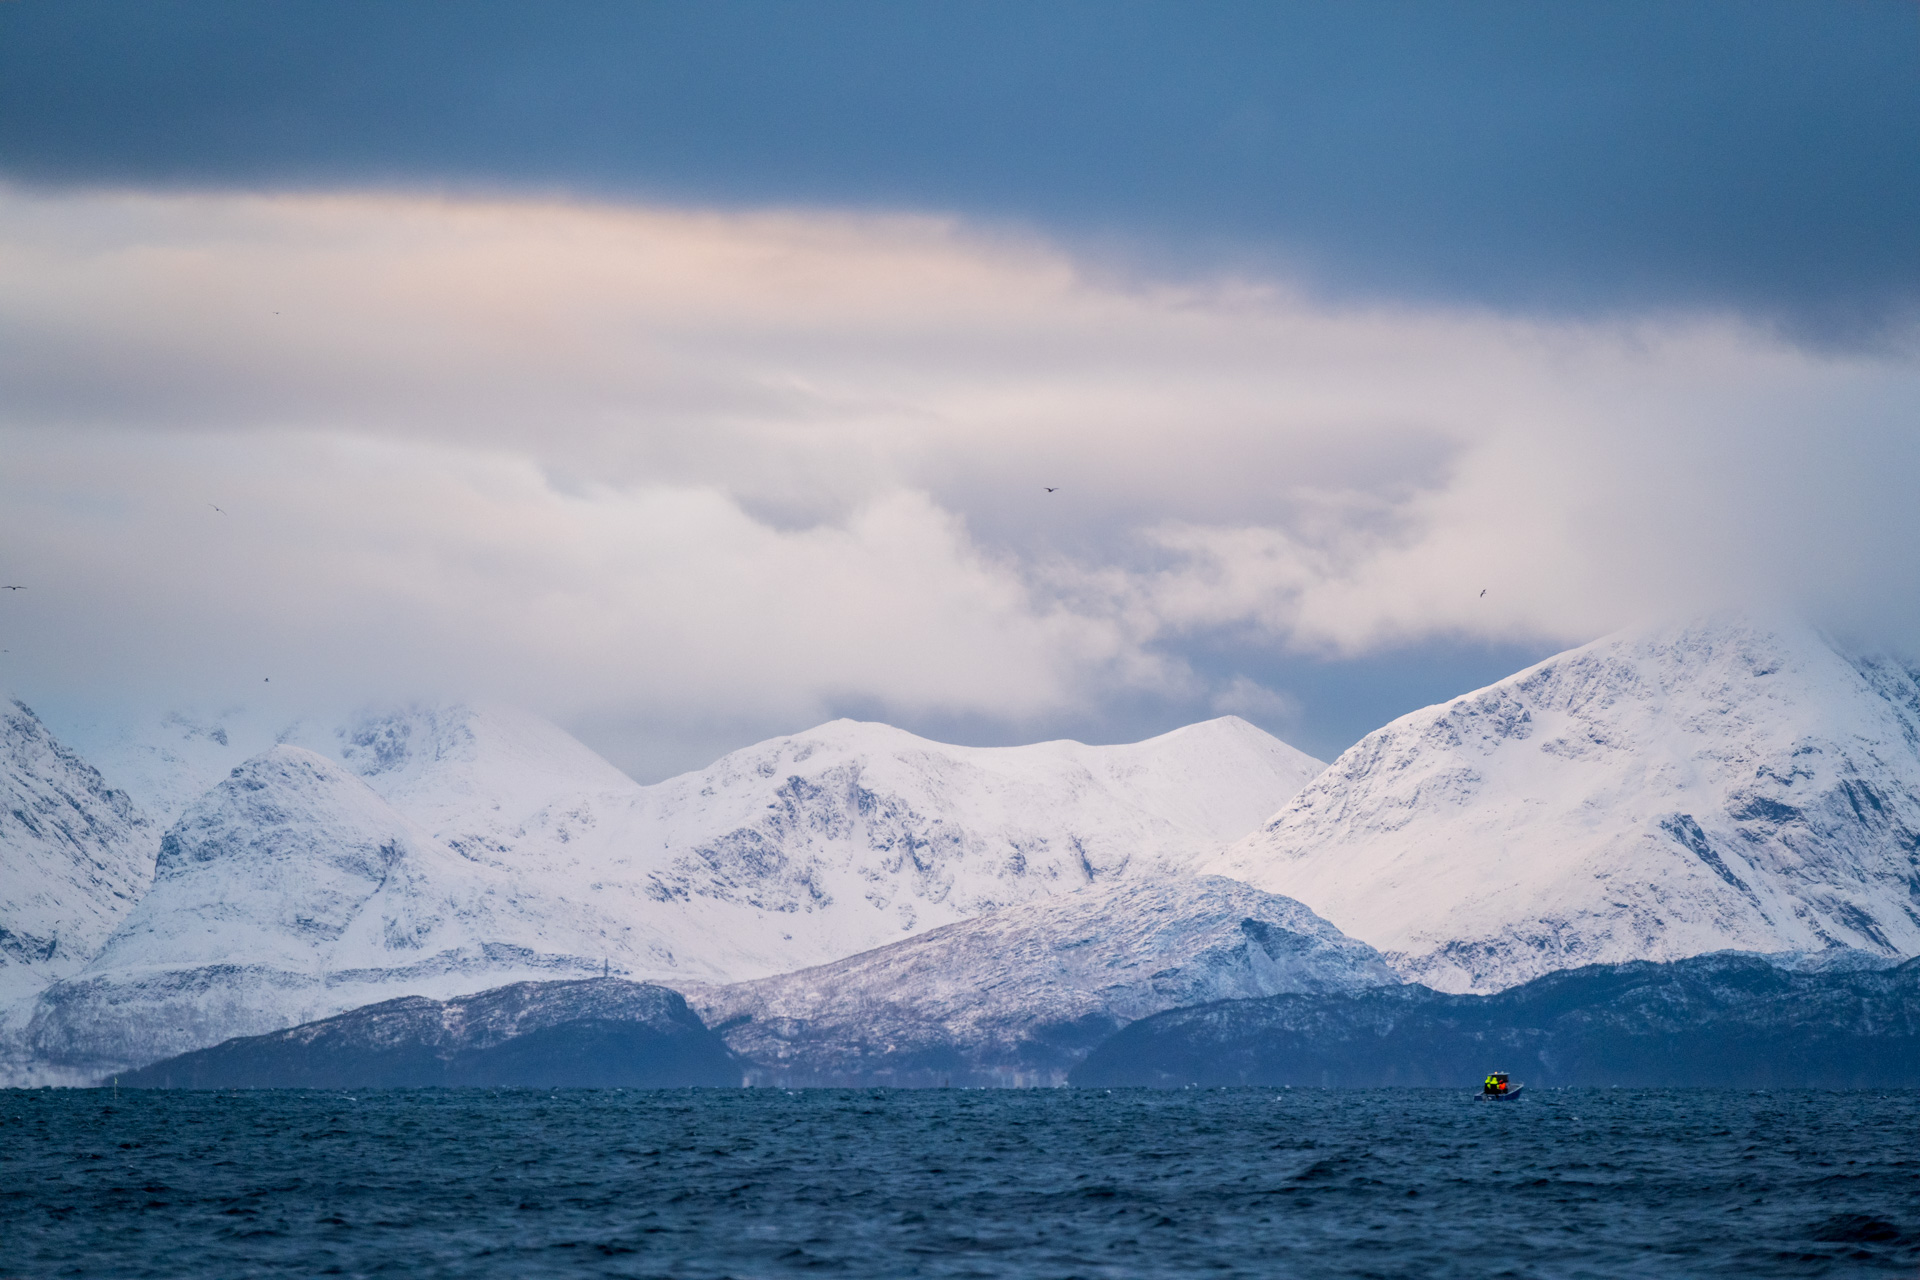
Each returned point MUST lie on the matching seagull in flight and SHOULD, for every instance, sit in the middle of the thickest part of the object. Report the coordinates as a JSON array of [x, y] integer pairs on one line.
[[1049, 487], [1483, 591], [13, 588], [222, 512]]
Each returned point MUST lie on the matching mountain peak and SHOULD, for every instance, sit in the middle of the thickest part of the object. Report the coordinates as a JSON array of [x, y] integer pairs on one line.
[[1732, 782], [290, 847]]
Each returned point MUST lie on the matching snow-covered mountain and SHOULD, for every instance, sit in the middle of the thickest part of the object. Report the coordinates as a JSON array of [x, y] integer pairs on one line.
[[497, 785], [288, 892], [444, 850], [1735, 783], [810, 847], [168, 763], [851, 835], [77, 856], [1019, 995]]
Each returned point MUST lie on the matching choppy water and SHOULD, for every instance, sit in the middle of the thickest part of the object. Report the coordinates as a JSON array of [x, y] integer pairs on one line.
[[959, 1183]]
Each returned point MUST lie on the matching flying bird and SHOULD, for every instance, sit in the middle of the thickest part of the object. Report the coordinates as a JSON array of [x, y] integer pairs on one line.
[[1483, 591], [1050, 487], [16, 588], [217, 509]]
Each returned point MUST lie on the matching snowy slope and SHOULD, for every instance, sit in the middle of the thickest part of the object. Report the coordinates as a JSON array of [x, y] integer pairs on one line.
[[845, 837], [497, 785], [75, 855], [1018, 996], [476, 774], [444, 850], [792, 852], [807, 848], [169, 762], [1735, 783], [290, 891]]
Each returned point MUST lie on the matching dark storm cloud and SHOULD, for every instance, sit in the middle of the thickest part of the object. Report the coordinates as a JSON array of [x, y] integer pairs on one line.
[[1763, 156]]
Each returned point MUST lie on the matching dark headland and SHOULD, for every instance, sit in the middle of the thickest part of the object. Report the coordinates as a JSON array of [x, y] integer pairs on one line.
[[593, 1033], [1727, 1020]]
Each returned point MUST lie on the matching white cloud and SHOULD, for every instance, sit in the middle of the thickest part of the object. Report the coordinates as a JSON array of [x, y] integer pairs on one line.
[[1243, 697], [689, 467], [362, 567]]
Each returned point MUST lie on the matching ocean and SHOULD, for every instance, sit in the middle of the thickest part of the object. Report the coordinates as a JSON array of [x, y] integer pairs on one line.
[[952, 1183]]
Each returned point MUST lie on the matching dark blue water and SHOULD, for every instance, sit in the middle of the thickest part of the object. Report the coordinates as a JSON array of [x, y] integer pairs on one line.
[[959, 1183]]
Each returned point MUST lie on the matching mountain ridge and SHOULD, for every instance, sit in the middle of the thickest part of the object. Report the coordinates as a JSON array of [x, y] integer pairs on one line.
[[1019, 995], [1670, 791], [441, 850]]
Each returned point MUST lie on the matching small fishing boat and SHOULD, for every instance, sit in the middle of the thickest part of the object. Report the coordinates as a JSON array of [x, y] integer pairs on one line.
[[1497, 1088]]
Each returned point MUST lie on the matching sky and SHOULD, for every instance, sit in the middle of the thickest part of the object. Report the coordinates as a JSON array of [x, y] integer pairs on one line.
[[691, 373]]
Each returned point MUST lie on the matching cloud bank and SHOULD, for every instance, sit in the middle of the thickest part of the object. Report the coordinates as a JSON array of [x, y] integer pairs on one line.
[[1759, 155], [688, 474]]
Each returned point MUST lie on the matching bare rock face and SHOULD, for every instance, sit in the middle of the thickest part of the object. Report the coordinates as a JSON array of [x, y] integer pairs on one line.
[[75, 856], [1731, 784], [1018, 996], [593, 1033]]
